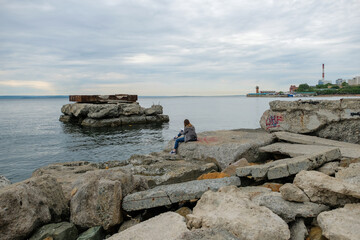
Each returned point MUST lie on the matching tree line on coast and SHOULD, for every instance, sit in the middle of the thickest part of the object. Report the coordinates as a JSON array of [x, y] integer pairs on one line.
[[329, 89]]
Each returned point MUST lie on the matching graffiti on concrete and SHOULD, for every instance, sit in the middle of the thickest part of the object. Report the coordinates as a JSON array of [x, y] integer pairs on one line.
[[273, 121], [355, 114]]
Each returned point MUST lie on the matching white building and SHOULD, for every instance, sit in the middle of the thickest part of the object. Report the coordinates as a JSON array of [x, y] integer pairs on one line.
[[340, 81], [355, 81]]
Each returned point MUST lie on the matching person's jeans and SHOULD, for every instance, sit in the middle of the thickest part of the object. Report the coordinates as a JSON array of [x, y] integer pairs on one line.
[[179, 140]]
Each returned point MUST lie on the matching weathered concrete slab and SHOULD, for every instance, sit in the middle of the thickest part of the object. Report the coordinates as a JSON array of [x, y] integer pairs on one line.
[[103, 98], [168, 194], [227, 146], [289, 166], [350, 150], [294, 150]]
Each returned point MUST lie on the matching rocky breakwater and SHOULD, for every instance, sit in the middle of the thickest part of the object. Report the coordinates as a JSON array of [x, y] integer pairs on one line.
[[332, 119], [109, 112]]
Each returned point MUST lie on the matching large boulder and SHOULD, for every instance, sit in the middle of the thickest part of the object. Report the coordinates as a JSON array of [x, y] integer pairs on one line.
[[289, 210], [66, 173], [341, 223], [58, 231], [316, 117], [29, 204], [4, 181], [168, 226], [226, 146], [96, 197], [232, 210], [162, 168], [321, 188]]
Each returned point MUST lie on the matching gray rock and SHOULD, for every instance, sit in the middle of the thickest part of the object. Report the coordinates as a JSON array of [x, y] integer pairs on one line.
[[298, 230], [341, 223], [154, 110], [208, 234], [168, 194], [4, 181], [58, 231], [292, 193], [329, 168], [289, 166], [350, 174], [321, 188], [294, 150], [27, 205], [318, 117], [349, 150], [69, 172], [96, 197], [232, 210], [168, 225], [162, 168], [226, 146], [231, 170], [94, 233], [289, 210]]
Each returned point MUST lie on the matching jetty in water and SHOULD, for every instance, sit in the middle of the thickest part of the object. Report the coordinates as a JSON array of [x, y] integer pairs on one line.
[[110, 111]]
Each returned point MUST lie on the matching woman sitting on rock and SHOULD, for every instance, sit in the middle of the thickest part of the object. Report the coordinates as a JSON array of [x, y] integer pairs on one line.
[[189, 135]]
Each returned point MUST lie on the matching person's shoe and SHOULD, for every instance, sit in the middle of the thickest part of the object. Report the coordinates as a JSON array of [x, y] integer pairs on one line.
[[173, 152]]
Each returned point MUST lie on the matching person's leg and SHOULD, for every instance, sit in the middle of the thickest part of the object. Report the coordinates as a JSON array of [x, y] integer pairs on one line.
[[179, 140]]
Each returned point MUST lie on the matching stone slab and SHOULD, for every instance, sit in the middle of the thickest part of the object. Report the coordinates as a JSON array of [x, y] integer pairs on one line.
[[168, 194], [350, 150], [294, 150], [289, 166], [102, 98]]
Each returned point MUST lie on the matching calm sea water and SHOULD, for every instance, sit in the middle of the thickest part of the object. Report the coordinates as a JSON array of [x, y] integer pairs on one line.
[[31, 135]]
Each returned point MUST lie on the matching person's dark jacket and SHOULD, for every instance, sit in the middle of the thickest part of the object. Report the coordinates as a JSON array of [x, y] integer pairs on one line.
[[189, 133]]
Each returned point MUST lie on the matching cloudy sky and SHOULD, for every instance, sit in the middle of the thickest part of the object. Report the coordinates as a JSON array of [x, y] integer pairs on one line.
[[174, 47]]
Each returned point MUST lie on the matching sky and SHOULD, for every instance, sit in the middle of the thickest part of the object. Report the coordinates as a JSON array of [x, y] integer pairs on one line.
[[174, 47]]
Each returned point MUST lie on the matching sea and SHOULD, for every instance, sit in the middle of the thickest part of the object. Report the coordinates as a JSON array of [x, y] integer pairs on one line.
[[31, 135]]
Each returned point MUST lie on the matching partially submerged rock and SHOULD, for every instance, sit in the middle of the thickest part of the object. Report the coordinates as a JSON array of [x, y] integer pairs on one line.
[[321, 188], [111, 114], [29, 204], [316, 117], [168, 194], [341, 223], [232, 210], [168, 225], [226, 146]]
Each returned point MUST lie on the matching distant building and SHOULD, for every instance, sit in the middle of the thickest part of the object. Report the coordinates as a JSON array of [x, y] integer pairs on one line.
[[355, 81], [293, 88], [340, 81], [323, 82]]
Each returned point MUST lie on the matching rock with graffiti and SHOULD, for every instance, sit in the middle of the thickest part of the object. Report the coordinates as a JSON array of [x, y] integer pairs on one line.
[[333, 119]]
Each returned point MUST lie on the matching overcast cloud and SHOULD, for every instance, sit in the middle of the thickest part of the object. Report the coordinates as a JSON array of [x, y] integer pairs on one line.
[[174, 47]]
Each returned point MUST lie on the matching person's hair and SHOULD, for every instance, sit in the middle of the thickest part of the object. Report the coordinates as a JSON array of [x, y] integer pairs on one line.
[[186, 122]]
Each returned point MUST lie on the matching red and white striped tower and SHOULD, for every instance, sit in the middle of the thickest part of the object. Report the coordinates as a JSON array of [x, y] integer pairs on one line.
[[323, 72]]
